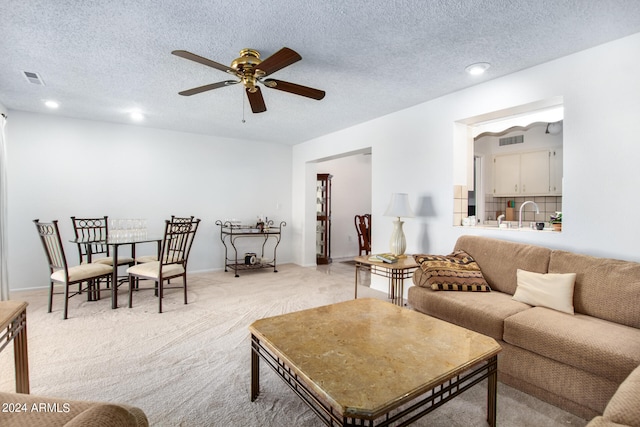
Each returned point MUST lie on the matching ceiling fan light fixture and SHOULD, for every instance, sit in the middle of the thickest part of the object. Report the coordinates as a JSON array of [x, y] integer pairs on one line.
[[251, 70], [478, 68], [249, 58], [51, 104], [554, 128]]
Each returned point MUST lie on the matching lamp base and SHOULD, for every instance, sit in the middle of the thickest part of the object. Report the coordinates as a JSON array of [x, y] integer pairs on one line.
[[398, 243]]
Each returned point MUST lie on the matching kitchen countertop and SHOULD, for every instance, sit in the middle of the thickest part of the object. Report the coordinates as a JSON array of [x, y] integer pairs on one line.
[[511, 226]]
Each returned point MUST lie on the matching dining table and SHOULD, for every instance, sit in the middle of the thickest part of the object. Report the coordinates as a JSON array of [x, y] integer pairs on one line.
[[115, 243]]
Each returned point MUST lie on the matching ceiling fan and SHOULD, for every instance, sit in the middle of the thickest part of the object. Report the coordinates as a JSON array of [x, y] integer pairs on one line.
[[251, 70]]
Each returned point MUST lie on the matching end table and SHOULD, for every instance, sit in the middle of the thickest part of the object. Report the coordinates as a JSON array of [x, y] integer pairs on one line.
[[13, 324], [396, 273]]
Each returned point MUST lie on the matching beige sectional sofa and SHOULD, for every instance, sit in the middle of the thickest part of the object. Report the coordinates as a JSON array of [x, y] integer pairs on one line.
[[574, 361], [624, 407], [26, 410]]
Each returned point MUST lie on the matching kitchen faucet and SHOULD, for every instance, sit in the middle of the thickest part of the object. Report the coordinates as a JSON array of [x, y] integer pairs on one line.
[[522, 206]]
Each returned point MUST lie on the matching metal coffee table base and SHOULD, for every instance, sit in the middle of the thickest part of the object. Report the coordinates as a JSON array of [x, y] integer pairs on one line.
[[402, 416]]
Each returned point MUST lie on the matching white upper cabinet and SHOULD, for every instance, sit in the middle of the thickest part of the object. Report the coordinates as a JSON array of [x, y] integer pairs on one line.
[[555, 172], [525, 174], [506, 175], [534, 173]]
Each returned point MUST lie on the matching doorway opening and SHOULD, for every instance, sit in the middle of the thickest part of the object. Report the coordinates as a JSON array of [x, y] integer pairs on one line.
[[350, 196]]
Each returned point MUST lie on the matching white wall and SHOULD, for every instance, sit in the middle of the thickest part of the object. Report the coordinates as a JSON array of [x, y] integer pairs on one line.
[[350, 196], [59, 167], [413, 152]]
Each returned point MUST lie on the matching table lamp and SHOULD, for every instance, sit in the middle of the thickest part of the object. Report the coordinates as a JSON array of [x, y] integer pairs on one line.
[[398, 207]]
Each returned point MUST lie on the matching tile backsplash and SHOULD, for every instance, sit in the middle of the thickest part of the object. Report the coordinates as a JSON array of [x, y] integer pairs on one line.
[[548, 205], [494, 206], [460, 203]]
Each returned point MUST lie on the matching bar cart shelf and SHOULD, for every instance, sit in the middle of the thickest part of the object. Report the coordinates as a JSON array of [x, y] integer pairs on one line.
[[230, 232]]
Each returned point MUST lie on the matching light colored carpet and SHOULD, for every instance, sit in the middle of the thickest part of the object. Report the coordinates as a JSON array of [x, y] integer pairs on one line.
[[190, 366]]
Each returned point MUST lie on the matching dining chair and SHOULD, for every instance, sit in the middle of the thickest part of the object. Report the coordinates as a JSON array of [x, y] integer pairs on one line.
[[174, 219], [363, 227], [64, 275], [172, 263], [96, 231], [177, 219]]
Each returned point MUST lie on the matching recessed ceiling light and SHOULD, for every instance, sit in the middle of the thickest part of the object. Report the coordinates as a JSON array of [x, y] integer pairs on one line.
[[51, 104], [136, 116], [477, 68]]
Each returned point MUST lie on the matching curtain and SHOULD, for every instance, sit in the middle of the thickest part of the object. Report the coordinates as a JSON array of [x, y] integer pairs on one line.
[[4, 250]]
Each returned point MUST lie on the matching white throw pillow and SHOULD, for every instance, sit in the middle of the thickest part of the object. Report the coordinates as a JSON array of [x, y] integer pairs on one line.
[[551, 290]]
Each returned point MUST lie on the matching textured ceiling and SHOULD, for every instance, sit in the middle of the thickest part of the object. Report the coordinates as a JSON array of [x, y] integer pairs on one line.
[[100, 59]]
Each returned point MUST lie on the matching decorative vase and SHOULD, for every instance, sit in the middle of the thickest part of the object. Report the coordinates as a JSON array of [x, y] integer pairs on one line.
[[557, 226], [398, 243]]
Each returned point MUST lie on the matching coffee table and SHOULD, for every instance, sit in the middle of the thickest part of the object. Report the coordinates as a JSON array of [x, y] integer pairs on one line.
[[368, 362]]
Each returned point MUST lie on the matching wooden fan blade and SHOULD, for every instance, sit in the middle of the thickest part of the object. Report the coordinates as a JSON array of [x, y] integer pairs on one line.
[[205, 88], [296, 89], [204, 61], [282, 58], [256, 100]]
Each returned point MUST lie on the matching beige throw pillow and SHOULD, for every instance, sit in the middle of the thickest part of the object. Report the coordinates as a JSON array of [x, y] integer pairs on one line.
[[551, 290]]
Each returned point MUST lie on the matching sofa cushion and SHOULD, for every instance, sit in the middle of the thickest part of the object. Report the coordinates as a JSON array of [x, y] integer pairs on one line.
[[598, 346], [580, 392], [483, 312], [551, 290], [499, 259], [600, 421], [455, 272], [104, 415], [605, 288], [52, 411], [624, 406]]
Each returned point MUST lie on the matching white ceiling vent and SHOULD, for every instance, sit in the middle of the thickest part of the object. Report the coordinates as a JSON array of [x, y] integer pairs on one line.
[[33, 78], [510, 140]]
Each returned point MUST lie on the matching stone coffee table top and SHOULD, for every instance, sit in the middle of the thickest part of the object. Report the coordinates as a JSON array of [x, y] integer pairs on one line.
[[366, 357]]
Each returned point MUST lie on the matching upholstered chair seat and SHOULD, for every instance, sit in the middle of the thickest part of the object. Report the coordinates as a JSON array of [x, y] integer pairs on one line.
[[151, 270], [81, 272], [109, 261], [146, 258]]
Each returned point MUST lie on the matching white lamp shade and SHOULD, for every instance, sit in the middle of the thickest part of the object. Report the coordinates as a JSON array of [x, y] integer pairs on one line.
[[399, 206]]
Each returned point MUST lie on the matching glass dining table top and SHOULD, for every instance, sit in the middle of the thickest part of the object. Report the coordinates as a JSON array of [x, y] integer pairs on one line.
[[119, 240]]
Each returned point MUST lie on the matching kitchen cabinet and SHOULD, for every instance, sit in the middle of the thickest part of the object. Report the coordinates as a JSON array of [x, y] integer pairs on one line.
[[522, 174], [506, 175], [323, 218], [534, 173], [555, 172]]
